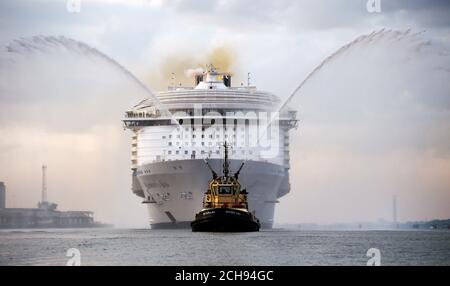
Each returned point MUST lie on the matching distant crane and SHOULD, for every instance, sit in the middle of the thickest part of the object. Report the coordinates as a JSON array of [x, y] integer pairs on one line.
[[44, 184]]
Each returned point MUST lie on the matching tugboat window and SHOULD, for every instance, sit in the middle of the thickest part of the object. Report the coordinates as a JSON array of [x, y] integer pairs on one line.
[[224, 190]]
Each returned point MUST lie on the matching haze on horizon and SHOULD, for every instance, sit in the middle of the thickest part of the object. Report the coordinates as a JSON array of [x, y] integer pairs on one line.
[[374, 123]]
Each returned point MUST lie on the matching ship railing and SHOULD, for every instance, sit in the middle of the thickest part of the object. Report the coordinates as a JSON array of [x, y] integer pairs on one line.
[[130, 114], [183, 87]]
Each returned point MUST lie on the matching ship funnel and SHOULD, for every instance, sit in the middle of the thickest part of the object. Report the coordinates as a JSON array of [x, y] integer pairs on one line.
[[198, 78], [227, 80], [211, 78]]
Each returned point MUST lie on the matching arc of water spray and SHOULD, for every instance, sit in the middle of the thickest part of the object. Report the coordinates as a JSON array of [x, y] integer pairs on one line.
[[39, 43], [375, 35]]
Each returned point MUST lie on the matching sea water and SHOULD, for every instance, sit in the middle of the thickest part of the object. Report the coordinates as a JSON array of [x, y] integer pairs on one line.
[[183, 247]]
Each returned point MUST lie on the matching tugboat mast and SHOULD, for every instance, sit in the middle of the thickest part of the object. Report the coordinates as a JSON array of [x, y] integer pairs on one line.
[[226, 170]]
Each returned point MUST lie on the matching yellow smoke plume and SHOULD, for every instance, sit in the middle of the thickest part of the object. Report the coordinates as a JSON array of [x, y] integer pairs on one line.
[[224, 58]]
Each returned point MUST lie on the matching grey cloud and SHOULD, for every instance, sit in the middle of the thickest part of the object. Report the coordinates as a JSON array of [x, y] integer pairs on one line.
[[427, 13], [415, 5], [309, 14]]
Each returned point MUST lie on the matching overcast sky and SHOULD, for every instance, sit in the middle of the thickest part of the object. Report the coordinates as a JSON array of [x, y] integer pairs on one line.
[[374, 122]]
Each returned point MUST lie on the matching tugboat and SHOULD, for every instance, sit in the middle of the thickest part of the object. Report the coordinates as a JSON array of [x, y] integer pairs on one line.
[[225, 206]]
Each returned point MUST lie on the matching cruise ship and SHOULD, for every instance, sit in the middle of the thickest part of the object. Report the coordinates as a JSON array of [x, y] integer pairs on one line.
[[177, 131]]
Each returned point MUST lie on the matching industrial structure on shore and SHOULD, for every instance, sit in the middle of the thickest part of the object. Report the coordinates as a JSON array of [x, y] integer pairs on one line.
[[45, 215]]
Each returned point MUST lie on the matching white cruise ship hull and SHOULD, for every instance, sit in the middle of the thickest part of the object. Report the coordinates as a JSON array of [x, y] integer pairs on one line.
[[174, 190]]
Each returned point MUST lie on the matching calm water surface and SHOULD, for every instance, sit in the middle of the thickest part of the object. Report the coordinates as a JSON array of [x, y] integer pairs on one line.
[[182, 247]]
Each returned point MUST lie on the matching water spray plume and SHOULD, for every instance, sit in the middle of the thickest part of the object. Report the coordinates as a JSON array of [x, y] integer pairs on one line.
[[405, 47], [46, 44], [361, 40]]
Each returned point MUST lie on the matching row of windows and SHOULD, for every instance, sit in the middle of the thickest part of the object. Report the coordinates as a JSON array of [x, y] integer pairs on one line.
[[193, 143], [210, 144], [203, 128], [203, 136], [186, 152]]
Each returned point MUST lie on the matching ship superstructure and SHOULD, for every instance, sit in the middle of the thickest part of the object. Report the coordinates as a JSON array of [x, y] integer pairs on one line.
[[173, 135]]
